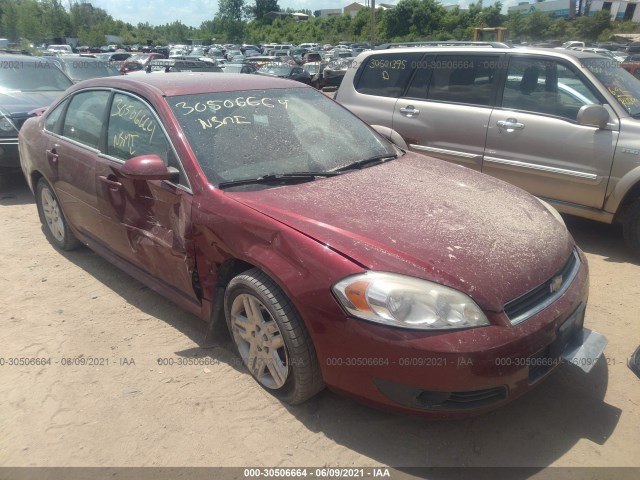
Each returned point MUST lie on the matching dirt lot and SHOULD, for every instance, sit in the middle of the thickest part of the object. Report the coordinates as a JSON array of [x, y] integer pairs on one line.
[[134, 412]]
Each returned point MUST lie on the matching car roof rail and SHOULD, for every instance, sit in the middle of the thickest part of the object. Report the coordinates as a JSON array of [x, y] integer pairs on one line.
[[443, 43]]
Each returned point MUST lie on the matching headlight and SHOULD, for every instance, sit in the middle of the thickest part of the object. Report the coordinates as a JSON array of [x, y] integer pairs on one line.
[[6, 125], [407, 302]]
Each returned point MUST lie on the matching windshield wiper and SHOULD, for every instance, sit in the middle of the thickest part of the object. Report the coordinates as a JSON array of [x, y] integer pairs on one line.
[[296, 177], [368, 162]]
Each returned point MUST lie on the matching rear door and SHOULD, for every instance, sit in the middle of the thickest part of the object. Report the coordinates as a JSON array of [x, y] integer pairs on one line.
[[73, 145], [446, 109], [534, 140], [378, 84]]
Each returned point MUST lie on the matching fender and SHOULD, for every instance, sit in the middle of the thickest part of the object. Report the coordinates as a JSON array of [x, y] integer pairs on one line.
[[629, 183]]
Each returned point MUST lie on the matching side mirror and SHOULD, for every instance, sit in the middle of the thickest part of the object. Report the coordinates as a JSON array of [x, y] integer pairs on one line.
[[391, 135], [593, 116], [146, 167]]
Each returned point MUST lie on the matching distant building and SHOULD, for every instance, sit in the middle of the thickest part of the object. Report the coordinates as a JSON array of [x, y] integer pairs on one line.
[[330, 12], [274, 15], [451, 7], [353, 8], [619, 10], [522, 7], [296, 15], [556, 8]]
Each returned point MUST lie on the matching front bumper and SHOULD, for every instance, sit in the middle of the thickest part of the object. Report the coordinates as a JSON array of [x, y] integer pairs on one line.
[[449, 373], [9, 157]]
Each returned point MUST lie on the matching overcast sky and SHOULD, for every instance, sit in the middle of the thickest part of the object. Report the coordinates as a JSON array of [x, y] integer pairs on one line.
[[194, 12]]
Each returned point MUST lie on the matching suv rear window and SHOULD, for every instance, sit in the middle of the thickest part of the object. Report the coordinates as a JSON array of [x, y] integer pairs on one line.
[[386, 75]]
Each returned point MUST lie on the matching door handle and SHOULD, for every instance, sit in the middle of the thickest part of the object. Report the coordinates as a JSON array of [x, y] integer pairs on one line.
[[409, 111], [52, 155], [510, 124], [113, 185]]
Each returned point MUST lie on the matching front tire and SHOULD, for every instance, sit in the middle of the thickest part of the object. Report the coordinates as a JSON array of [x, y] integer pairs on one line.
[[53, 221], [271, 338]]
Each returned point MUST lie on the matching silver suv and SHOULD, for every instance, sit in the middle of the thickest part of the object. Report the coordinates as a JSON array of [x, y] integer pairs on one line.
[[561, 124]]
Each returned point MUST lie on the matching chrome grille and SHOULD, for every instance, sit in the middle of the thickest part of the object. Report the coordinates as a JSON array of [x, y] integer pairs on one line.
[[534, 301]]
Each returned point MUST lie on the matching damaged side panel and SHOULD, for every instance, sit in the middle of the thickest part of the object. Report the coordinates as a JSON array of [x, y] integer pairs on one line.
[[148, 224]]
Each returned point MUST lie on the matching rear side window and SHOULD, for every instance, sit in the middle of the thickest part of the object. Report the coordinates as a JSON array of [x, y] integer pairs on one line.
[[387, 75], [463, 79], [51, 123], [85, 117]]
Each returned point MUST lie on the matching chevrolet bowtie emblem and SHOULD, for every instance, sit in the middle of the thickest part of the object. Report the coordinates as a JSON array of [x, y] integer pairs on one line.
[[556, 283]]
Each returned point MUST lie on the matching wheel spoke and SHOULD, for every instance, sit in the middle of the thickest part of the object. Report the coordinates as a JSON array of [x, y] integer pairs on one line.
[[56, 230], [242, 327], [277, 369], [259, 341], [252, 310], [253, 359]]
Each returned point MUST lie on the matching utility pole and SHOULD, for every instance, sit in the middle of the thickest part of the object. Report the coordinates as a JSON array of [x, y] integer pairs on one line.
[[373, 24]]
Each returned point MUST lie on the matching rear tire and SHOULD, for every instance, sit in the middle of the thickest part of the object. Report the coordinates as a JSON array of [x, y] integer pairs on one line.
[[53, 220], [631, 228], [271, 338]]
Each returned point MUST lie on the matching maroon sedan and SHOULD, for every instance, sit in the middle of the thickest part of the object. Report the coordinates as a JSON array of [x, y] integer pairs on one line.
[[334, 257]]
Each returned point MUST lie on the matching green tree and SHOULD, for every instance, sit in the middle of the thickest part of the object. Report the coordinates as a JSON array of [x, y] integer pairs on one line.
[[589, 28], [230, 13], [261, 7]]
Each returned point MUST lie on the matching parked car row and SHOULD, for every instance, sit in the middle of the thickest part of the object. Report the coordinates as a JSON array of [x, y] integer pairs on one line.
[[333, 257]]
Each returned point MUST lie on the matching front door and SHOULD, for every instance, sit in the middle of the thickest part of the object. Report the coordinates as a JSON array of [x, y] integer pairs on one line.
[[535, 142], [146, 223]]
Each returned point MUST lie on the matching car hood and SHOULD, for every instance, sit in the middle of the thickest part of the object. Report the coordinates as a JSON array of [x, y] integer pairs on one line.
[[23, 102], [430, 219]]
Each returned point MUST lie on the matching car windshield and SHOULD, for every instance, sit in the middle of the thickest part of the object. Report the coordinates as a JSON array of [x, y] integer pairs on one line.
[[620, 83], [138, 58], [232, 68], [312, 68], [248, 134], [82, 70], [33, 76], [275, 70]]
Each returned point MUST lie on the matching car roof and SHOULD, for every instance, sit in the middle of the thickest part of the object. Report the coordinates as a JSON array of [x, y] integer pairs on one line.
[[78, 58], [482, 49], [186, 83], [26, 58]]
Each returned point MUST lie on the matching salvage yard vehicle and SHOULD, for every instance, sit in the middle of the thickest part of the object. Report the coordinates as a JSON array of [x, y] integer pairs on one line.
[[405, 282], [283, 70], [26, 84], [562, 124], [80, 68]]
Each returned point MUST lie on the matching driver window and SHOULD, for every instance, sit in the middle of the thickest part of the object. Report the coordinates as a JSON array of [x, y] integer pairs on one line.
[[546, 87], [134, 130]]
